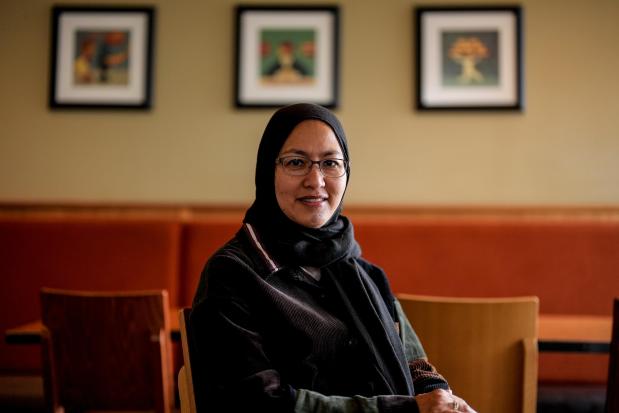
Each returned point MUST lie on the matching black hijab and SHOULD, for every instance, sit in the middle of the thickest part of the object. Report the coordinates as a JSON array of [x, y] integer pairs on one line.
[[289, 241], [365, 295]]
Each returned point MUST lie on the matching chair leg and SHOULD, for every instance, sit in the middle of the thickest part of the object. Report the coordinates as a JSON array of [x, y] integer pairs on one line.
[[161, 379], [52, 404]]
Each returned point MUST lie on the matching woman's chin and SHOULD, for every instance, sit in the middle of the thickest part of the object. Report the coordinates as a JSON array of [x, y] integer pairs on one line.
[[311, 220]]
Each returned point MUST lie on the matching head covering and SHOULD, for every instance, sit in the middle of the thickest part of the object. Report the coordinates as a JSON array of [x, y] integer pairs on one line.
[[289, 241]]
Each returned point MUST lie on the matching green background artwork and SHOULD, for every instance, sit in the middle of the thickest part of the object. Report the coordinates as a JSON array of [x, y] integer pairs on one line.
[[287, 47], [474, 59]]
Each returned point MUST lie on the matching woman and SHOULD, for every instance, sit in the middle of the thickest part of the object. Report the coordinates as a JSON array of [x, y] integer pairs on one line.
[[288, 316]]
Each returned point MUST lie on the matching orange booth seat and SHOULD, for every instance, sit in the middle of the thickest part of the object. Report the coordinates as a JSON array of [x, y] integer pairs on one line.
[[75, 252], [571, 265], [200, 239], [569, 262], [569, 259]]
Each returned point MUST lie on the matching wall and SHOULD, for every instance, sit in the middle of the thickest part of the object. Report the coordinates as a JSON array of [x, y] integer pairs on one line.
[[194, 146]]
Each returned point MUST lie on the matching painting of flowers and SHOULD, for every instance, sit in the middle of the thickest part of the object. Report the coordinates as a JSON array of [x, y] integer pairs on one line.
[[468, 58]]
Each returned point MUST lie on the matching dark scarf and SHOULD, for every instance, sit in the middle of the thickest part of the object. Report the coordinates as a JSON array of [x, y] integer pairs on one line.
[[332, 248]]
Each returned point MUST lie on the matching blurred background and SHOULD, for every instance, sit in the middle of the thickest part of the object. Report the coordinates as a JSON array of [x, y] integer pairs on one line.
[[194, 146]]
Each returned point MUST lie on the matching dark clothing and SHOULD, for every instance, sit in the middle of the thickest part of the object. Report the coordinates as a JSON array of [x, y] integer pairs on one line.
[[274, 339]]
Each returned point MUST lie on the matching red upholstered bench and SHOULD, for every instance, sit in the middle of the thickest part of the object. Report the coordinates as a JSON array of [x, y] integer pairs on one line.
[[200, 239], [78, 252], [569, 260], [570, 263]]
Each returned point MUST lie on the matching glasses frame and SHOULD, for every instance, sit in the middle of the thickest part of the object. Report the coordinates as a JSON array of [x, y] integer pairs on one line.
[[279, 161]]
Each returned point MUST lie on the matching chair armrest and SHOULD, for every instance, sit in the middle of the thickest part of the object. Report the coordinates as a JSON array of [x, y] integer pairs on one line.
[[183, 391]]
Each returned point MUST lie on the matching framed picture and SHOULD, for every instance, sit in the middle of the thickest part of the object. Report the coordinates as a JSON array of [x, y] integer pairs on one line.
[[286, 55], [468, 58], [101, 57]]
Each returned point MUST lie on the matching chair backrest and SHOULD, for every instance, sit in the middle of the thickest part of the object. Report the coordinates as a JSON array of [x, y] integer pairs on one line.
[[107, 351], [186, 374], [612, 387], [486, 348]]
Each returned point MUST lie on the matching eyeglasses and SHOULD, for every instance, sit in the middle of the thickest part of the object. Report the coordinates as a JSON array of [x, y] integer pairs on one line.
[[299, 165]]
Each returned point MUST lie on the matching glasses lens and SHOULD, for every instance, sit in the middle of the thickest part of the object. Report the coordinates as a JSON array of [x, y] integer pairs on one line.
[[295, 165], [298, 165], [333, 168]]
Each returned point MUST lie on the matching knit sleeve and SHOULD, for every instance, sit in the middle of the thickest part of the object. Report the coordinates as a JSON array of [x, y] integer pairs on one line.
[[310, 401], [425, 376]]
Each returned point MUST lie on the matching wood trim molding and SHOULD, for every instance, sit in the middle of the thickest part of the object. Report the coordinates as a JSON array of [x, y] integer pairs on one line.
[[196, 210]]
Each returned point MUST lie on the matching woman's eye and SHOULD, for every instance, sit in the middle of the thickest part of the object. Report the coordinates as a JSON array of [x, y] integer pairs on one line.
[[296, 162], [331, 163]]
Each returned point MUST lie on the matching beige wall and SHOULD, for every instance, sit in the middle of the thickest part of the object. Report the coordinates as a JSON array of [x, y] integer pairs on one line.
[[194, 146]]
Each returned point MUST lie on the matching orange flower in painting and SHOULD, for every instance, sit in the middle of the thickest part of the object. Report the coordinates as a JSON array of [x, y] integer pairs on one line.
[[115, 38], [265, 49], [308, 49], [467, 52]]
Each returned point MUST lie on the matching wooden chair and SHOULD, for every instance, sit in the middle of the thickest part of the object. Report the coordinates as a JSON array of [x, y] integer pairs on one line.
[[486, 348], [185, 375], [106, 351], [612, 386]]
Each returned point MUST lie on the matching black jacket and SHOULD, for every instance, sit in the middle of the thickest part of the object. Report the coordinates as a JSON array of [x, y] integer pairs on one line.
[[280, 341]]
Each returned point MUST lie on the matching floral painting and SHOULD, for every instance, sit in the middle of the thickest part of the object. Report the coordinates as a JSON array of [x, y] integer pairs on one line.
[[470, 58]]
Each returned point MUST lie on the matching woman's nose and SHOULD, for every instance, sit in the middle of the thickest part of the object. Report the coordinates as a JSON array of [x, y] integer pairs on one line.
[[314, 178]]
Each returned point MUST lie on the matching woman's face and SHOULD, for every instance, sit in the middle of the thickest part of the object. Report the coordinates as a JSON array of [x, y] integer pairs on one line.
[[310, 200]]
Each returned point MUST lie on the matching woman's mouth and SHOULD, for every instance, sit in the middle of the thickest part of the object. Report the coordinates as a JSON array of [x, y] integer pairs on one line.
[[312, 200]]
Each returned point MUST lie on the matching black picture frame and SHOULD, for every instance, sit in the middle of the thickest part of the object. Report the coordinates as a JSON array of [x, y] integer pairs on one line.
[[286, 54], [469, 58], [101, 57]]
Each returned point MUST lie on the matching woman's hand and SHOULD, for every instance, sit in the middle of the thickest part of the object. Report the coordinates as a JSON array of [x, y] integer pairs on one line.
[[441, 401]]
